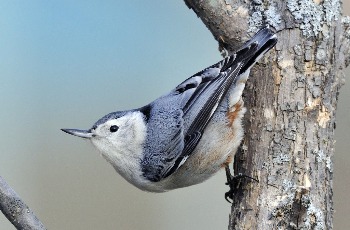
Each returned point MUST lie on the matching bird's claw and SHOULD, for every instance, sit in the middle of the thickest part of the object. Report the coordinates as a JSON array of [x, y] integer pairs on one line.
[[229, 195], [233, 182]]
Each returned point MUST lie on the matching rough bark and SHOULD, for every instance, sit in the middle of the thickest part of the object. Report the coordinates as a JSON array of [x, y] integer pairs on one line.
[[16, 211], [291, 98]]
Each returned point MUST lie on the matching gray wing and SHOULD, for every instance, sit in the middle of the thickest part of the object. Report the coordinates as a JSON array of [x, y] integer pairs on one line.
[[200, 109], [177, 120]]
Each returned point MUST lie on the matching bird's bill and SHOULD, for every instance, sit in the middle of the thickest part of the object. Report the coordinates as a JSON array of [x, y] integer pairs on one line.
[[78, 132]]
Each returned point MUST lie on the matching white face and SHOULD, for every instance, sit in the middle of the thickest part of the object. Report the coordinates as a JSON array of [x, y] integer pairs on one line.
[[121, 136]]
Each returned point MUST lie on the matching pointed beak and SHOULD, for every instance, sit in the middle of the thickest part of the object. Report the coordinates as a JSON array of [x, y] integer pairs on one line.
[[79, 133]]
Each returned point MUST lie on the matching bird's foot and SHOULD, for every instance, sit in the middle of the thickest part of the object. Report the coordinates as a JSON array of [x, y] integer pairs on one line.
[[234, 182]]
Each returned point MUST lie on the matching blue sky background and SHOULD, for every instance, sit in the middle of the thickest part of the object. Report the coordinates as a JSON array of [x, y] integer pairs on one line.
[[64, 64]]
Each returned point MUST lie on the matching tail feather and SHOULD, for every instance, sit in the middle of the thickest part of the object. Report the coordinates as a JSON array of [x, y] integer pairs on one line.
[[264, 39]]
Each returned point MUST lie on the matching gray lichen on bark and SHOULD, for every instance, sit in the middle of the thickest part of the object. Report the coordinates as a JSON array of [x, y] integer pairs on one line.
[[291, 98], [313, 15], [264, 14]]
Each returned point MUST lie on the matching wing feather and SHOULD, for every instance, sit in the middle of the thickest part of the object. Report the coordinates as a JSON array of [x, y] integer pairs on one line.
[[189, 107]]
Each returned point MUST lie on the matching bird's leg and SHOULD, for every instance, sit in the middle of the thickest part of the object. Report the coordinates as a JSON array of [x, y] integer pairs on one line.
[[233, 182]]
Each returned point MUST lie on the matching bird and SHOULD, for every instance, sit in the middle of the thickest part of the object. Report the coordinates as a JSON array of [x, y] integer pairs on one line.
[[187, 135]]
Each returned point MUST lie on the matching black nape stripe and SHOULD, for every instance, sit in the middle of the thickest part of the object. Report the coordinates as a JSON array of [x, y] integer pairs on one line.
[[146, 110]]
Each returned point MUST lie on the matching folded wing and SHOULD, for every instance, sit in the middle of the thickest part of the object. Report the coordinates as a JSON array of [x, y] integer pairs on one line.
[[179, 119]]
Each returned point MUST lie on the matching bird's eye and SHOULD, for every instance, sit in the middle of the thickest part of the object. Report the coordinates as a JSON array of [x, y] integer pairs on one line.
[[113, 128]]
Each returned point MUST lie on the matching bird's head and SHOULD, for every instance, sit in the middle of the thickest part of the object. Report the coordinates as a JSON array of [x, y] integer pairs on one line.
[[117, 133]]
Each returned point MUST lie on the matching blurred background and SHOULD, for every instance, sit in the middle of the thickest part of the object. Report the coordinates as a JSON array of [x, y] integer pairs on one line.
[[64, 64]]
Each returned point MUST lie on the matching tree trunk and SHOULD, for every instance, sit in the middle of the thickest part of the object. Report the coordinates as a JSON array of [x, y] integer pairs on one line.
[[291, 98]]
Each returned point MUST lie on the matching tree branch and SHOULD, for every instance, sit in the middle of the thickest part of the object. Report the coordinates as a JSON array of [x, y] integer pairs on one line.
[[291, 100], [227, 22], [16, 211]]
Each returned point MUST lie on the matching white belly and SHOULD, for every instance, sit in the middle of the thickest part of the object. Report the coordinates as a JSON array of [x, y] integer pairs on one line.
[[216, 148]]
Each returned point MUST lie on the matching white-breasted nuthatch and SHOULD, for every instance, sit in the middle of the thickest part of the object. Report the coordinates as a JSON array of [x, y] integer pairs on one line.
[[186, 136]]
